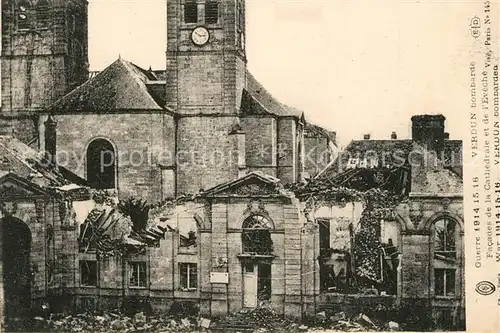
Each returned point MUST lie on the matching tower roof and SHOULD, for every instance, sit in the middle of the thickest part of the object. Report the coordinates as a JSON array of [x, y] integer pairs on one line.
[[121, 86]]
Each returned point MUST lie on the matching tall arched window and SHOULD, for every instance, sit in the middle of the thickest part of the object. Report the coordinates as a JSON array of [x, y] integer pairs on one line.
[[445, 262], [101, 164], [256, 235]]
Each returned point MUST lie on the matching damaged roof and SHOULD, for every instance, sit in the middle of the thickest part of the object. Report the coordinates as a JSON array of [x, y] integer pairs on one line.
[[121, 86], [28, 163], [429, 173]]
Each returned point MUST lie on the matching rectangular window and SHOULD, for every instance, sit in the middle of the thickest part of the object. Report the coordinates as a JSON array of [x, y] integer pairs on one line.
[[190, 12], [444, 282], [88, 273], [211, 12], [137, 275], [188, 276]]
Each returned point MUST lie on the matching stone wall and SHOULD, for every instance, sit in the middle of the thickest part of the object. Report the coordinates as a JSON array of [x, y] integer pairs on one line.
[[287, 150], [294, 282], [261, 144], [207, 152], [41, 215], [40, 65], [143, 142]]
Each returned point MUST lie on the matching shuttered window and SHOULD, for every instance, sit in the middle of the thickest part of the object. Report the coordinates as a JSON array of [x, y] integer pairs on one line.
[[211, 12], [190, 12]]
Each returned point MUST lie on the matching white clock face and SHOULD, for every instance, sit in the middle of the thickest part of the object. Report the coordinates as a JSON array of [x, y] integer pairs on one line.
[[200, 36]]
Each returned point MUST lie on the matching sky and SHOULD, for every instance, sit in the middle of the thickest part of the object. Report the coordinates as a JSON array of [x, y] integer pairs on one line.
[[355, 67]]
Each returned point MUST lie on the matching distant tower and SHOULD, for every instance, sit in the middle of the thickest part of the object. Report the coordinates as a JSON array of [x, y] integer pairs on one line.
[[206, 73], [44, 56]]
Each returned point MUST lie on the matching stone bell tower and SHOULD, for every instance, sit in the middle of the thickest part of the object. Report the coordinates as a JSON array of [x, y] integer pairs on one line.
[[44, 56], [206, 69]]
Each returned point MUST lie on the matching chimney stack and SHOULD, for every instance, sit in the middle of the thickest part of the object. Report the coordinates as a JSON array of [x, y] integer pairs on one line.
[[366, 137], [446, 135], [333, 136], [50, 139], [428, 130], [394, 136]]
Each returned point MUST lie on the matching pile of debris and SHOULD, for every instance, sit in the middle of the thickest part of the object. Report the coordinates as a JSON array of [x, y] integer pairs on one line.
[[264, 319], [259, 320], [358, 323], [112, 322]]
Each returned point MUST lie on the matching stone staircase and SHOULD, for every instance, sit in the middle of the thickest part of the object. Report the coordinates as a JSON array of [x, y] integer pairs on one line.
[[236, 323], [247, 321]]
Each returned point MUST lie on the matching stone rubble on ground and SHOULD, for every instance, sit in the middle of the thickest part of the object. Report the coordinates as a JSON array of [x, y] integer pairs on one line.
[[260, 320]]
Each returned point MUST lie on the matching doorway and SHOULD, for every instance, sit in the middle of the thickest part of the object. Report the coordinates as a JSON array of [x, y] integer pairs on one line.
[[256, 283], [16, 246]]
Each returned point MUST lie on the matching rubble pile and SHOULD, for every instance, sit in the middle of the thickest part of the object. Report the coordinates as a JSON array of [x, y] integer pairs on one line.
[[259, 320], [112, 322], [264, 319]]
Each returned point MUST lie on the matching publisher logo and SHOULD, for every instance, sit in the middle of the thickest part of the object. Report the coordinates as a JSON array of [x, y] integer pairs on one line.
[[475, 24], [485, 288]]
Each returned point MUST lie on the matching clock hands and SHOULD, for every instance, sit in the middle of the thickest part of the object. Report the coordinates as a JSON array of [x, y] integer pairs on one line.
[[200, 36]]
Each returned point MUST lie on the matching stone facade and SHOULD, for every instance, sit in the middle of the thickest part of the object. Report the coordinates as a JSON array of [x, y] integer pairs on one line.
[[203, 121], [44, 56]]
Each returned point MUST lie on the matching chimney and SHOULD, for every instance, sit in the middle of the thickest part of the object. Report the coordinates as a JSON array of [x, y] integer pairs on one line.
[[394, 136], [428, 130], [446, 135], [50, 139], [333, 136], [366, 137]]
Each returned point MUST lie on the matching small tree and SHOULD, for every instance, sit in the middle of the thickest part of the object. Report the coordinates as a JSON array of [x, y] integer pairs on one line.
[[137, 210]]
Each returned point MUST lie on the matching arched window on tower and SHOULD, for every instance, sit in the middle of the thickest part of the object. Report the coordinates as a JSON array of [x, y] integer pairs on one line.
[[43, 13], [445, 260], [101, 164], [256, 235], [23, 15]]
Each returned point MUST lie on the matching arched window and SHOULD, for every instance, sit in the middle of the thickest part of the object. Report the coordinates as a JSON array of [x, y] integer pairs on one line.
[[256, 235], [445, 260], [101, 164], [23, 15], [43, 13]]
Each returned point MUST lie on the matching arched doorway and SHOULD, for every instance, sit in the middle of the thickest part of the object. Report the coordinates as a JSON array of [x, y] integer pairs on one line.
[[256, 241], [101, 164], [16, 247]]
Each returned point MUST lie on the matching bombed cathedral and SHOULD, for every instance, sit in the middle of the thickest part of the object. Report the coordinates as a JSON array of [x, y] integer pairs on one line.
[[134, 188]]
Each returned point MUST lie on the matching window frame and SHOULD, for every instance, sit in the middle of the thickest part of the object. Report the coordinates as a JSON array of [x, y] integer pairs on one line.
[[96, 265], [189, 267], [443, 273], [28, 12], [216, 7], [456, 266], [100, 141], [250, 226], [43, 14], [132, 270], [188, 3]]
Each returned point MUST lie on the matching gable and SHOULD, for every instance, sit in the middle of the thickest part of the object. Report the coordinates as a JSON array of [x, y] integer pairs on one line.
[[255, 184], [12, 187]]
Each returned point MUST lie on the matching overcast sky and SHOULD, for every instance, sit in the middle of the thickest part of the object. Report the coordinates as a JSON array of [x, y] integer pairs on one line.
[[354, 66]]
